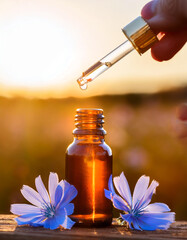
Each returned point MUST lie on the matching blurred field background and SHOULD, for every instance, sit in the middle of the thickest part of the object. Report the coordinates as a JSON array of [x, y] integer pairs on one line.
[[34, 135]]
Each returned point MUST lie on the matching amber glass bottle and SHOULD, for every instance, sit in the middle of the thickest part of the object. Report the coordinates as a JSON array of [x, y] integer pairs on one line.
[[88, 168]]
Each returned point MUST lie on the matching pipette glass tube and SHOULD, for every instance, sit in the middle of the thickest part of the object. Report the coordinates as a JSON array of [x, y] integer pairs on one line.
[[140, 37], [104, 64]]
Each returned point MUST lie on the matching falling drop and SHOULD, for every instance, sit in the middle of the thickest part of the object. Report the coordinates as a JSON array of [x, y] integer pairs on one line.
[[84, 87], [92, 73]]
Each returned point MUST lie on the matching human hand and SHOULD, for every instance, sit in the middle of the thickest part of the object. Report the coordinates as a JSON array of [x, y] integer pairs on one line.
[[169, 18]]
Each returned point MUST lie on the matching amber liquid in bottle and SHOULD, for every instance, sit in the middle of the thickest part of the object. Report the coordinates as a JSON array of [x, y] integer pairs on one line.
[[88, 168]]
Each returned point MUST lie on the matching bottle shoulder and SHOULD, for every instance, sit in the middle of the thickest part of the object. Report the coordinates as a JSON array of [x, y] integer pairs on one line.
[[87, 148]]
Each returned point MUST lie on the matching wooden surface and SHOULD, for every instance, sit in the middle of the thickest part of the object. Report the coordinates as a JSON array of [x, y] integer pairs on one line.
[[9, 231]]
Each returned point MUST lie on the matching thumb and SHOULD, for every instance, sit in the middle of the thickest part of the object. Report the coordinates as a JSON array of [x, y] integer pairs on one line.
[[166, 15]]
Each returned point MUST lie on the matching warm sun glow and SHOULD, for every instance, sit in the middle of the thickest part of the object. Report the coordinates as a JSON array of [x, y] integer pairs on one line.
[[35, 52], [46, 45]]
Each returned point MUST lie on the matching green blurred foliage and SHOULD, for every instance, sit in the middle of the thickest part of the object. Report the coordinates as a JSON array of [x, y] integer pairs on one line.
[[34, 135]]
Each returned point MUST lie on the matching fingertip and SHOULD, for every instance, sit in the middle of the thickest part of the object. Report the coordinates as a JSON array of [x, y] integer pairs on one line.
[[168, 46], [146, 11], [155, 55], [182, 112]]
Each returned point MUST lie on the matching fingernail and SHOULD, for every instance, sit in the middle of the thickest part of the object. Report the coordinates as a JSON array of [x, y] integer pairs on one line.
[[149, 9]]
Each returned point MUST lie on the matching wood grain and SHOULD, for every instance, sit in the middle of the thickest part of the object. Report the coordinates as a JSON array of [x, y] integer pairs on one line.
[[10, 231]]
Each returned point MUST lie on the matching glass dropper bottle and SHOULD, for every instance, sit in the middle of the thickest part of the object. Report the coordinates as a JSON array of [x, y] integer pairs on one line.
[[140, 37]]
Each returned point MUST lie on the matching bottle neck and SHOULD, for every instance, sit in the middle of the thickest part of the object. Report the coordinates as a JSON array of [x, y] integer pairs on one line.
[[89, 139], [89, 124]]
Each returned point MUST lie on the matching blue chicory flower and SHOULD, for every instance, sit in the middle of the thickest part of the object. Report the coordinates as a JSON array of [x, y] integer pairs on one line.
[[138, 213], [48, 210]]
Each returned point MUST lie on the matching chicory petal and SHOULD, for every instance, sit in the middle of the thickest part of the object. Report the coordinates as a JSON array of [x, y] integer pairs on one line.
[[153, 221], [108, 194], [58, 195], [135, 224], [32, 196], [128, 218], [28, 219], [69, 208], [21, 209], [157, 208], [139, 190], [52, 185], [122, 186], [41, 189], [110, 185], [68, 223], [51, 223], [70, 192], [148, 195], [119, 203]]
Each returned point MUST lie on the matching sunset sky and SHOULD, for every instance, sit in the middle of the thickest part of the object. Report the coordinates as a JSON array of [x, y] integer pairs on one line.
[[45, 45]]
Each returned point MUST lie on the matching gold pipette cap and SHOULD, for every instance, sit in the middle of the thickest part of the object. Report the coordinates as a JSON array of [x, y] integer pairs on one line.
[[140, 35]]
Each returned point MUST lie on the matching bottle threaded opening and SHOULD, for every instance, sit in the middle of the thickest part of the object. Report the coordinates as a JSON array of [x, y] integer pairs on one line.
[[89, 121]]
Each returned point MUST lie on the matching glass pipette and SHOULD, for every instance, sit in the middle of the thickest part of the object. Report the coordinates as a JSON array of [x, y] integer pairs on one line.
[[140, 37]]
